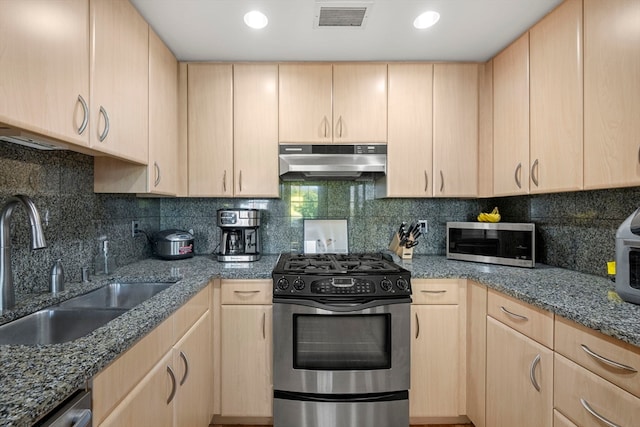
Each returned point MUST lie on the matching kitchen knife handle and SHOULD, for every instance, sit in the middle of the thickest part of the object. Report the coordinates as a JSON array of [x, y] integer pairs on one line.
[[186, 367], [514, 315], [173, 384], [441, 181], [426, 181], [85, 116], [590, 410], [518, 175], [157, 169], [105, 132], [532, 372], [534, 172], [607, 361], [417, 326]]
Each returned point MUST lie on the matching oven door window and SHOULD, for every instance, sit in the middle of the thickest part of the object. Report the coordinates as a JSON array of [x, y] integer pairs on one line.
[[634, 268], [342, 342]]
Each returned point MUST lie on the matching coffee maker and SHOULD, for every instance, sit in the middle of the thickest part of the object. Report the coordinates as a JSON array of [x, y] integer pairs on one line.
[[239, 234]]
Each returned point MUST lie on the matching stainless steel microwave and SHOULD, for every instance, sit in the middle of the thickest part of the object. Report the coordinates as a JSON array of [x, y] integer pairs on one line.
[[503, 243]]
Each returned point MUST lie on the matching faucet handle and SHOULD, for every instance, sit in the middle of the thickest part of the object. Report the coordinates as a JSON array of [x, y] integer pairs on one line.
[[57, 277]]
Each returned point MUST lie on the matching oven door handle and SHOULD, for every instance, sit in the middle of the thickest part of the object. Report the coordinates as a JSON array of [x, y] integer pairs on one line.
[[344, 307]]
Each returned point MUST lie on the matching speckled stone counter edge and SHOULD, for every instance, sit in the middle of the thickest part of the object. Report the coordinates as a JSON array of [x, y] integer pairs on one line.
[[34, 380]]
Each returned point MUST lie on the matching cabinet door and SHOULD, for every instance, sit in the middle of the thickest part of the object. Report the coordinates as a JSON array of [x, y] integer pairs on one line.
[[359, 103], [163, 118], [120, 77], [476, 352], [455, 130], [515, 366], [246, 361], [255, 130], [305, 103], [193, 362], [45, 67], [410, 144], [511, 119], [435, 371], [150, 403], [560, 420], [210, 129], [611, 93], [556, 152]]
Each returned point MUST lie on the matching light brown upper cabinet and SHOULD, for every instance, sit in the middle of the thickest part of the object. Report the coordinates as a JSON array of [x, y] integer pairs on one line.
[[556, 71], [410, 144], [611, 93], [210, 130], [45, 67], [255, 130], [455, 130], [340, 103], [511, 119], [160, 175], [120, 81]]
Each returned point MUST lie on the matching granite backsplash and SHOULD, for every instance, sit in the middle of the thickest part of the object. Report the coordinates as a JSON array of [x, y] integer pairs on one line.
[[575, 230]]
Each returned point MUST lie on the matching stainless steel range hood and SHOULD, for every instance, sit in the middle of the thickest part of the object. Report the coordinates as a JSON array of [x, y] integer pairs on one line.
[[360, 162]]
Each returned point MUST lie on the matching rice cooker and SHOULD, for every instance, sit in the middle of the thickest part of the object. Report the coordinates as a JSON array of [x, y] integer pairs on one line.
[[173, 244]]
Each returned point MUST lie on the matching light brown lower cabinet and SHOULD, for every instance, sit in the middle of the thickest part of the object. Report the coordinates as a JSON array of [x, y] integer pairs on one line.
[[519, 379], [560, 420], [476, 352]]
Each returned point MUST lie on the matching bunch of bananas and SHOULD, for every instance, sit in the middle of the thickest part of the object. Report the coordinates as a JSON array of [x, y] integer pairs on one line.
[[494, 216]]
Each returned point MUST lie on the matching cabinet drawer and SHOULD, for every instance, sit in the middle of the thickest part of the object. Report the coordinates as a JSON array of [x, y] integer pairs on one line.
[[247, 291], [189, 313], [578, 391], [605, 356], [435, 291], [531, 321]]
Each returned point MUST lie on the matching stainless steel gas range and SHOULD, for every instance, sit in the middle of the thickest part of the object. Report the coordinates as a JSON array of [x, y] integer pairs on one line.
[[341, 340]]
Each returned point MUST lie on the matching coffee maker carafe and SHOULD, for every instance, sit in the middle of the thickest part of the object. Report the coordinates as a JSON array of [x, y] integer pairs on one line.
[[239, 234]]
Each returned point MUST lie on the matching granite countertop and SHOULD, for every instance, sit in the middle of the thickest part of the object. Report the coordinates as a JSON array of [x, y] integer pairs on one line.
[[34, 380]]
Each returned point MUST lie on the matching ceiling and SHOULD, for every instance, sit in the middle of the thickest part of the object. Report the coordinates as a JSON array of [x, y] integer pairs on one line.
[[214, 30]]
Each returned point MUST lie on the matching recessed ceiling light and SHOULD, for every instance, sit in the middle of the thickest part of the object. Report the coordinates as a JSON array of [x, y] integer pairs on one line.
[[256, 19], [426, 20]]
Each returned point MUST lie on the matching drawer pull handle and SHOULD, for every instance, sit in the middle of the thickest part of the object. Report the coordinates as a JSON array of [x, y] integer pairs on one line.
[[264, 326], [532, 372], [606, 361], [173, 384], [589, 409], [186, 367], [85, 115], [514, 315], [417, 326], [518, 175], [246, 292], [442, 291], [105, 132]]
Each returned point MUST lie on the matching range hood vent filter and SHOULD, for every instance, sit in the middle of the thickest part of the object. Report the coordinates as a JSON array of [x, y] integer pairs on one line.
[[342, 16]]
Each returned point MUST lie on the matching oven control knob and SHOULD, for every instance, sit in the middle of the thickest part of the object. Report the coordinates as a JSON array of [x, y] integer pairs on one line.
[[402, 284], [386, 284], [298, 284], [283, 284]]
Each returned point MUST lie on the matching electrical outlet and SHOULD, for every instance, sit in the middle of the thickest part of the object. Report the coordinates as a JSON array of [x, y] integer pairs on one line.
[[135, 225], [423, 226]]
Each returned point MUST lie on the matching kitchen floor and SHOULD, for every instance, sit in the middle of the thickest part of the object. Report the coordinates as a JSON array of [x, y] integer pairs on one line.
[[413, 425]]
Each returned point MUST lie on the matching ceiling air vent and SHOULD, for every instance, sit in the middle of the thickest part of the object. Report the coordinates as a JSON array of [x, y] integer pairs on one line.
[[342, 14]]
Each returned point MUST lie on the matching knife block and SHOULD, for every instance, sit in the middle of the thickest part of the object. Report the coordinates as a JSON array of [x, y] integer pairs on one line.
[[401, 251]]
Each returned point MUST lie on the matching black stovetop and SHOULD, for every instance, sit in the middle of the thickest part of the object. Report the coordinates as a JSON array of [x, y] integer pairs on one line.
[[322, 264]]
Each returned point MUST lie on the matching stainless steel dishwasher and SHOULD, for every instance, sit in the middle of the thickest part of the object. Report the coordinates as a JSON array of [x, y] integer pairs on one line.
[[74, 412]]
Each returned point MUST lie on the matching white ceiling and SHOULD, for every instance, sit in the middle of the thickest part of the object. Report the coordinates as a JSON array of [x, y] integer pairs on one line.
[[213, 30]]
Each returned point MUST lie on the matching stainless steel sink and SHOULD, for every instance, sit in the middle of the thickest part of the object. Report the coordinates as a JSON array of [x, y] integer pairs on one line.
[[116, 295], [78, 316], [55, 325]]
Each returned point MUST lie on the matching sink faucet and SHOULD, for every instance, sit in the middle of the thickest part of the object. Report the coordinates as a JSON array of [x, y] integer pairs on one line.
[[7, 292]]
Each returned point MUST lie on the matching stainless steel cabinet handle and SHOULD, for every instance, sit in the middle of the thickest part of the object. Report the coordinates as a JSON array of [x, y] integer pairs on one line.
[[325, 121], [240, 181], [607, 361], [81, 418], [534, 172], [426, 182], [173, 384], [442, 291], [441, 181], [518, 175], [245, 292], [532, 372], [85, 117], [514, 315], [417, 326], [340, 127], [264, 326], [157, 169], [590, 410], [224, 181], [105, 132], [186, 367]]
